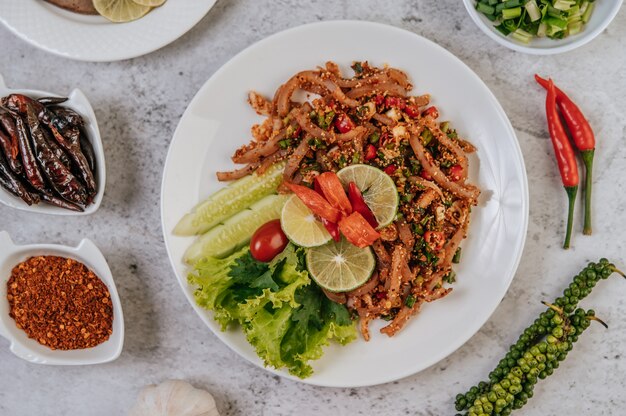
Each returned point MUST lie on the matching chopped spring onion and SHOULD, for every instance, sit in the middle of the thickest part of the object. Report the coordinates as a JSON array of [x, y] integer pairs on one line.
[[533, 11], [524, 20], [587, 13], [522, 36]]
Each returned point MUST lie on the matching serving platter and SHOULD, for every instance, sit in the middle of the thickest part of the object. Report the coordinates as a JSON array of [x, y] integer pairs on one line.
[[210, 130], [93, 38]]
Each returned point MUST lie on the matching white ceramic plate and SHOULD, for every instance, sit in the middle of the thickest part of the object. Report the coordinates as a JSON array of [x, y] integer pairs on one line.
[[78, 102], [93, 38], [604, 13], [212, 128], [30, 350]]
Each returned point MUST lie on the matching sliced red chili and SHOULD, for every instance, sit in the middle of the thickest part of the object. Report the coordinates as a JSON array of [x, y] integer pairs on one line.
[[435, 239], [333, 229], [390, 170], [412, 111], [379, 99], [359, 205], [344, 123], [431, 111], [395, 102], [426, 175], [315, 202], [357, 230], [455, 172], [370, 152], [333, 191]]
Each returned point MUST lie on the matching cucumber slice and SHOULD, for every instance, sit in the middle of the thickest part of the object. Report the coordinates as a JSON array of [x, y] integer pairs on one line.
[[230, 200], [236, 231]]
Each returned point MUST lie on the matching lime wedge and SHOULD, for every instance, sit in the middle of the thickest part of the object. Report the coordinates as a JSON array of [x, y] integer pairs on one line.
[[378, 189], [301, 226], [120, 11], [340, 267], [151, 3]]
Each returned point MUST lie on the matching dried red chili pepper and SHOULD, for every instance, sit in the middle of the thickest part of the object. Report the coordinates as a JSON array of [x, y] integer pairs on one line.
[[29, 162], [564, 156], [58, 175], [584, 139]]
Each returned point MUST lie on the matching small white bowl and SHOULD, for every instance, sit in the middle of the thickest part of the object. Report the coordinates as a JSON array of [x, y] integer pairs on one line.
[[604, 12], [79, 103], [30, 350]]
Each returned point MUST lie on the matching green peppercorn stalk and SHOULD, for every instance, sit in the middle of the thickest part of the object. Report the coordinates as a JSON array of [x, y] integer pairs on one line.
[[538, 350]]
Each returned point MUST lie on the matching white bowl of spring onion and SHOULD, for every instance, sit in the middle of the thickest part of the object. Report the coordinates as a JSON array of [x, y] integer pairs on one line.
[[579, 22]]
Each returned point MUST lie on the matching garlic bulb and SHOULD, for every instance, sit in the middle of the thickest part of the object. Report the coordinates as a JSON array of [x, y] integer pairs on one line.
[[174, 398]]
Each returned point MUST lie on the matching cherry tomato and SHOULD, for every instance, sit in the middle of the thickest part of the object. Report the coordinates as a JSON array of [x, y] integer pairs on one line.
[[268, 241], [455, 172], [435, 239]]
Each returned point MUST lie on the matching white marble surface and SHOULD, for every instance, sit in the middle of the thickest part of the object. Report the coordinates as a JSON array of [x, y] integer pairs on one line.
[[139, 102]]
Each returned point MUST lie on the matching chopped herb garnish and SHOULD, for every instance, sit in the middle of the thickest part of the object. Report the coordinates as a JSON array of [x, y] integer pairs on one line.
[[450, 277], [457, 256], [427, 136], [410, 301]]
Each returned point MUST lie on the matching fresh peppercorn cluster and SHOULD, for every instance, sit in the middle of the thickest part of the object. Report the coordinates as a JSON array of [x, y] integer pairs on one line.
[[538, 350]]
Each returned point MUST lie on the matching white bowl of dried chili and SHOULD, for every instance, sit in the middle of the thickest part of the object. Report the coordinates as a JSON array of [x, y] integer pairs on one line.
[[78, 102], [29, 349]]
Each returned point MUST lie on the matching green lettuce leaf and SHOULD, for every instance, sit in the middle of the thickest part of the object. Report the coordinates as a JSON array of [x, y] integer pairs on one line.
[[286, 318]]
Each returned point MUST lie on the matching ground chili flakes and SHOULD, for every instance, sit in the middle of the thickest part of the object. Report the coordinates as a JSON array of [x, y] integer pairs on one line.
[[60, 303]]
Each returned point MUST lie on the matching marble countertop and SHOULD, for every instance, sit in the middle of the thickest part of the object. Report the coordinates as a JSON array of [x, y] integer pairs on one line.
[[139, 102]]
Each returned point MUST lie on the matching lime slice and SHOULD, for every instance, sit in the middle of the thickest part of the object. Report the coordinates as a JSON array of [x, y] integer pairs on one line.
[[301, 226], [120, 11], [340, 267], [378, 189], [151, 3]]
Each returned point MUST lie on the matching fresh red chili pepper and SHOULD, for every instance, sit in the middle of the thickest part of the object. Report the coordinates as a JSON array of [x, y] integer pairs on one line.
[[412, 111], [431, 111], [333, 192], [390, 170], [455, 172], [315, 202], [584, 139], [358, 230], [424, 174], [370, 152], [395, 102], [344, 123], [331, 227], [435, 239], [359, 205], [564, 156]]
